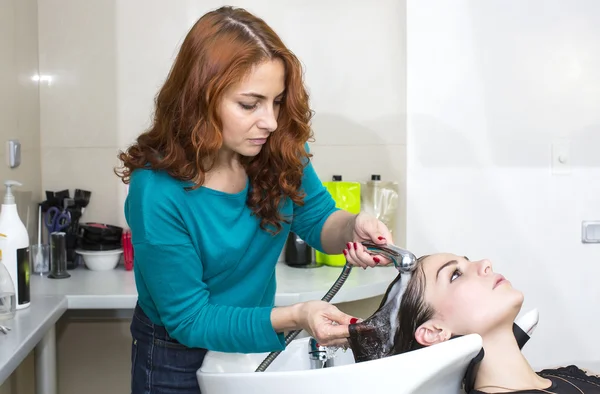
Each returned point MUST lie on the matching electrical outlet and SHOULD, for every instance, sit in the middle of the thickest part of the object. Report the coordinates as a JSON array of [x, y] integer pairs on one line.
[[590, 232]]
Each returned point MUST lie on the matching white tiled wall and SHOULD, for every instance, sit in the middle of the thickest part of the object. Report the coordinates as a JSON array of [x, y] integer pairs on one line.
[[490, 86], [107, 60], [107, 64], [19, 104], [78, 109], [19, 119]]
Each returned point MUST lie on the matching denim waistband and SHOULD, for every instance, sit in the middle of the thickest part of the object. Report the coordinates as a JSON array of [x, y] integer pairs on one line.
[[156, 330]]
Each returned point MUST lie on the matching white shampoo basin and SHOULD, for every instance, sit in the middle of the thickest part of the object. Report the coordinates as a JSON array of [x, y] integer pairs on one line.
[[437, 369]]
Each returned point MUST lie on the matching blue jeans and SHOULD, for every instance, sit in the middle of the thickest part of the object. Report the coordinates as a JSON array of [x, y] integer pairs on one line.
[[160, 364]]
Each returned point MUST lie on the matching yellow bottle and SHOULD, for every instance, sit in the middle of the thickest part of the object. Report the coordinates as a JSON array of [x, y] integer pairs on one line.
[[347, 197]]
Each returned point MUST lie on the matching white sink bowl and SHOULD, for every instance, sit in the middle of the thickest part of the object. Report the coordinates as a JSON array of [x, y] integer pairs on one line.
[[437, 369], [100, 260]]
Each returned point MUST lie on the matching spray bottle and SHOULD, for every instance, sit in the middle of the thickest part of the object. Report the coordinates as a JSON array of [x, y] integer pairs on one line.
[[15, 248]]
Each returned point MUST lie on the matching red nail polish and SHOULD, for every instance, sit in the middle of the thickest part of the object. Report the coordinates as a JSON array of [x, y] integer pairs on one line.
[[349, 245], [381, 238], [376, 259], [355, 246], [345, 252], [353, 320]]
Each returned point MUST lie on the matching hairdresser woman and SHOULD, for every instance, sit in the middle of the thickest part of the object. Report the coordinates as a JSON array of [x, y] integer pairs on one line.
[[215, 186]]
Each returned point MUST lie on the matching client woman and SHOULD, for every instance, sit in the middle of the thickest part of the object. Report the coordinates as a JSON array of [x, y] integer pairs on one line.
[[449, 296]]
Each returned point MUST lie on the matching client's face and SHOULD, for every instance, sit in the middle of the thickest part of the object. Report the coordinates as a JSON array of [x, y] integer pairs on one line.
[[467, 296], [447, 295]]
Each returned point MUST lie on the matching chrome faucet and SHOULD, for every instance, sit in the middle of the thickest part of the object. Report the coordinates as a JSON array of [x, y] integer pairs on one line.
[[318, 355]]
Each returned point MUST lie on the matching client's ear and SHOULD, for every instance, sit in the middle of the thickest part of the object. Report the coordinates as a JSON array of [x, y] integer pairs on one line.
[[432, 332]]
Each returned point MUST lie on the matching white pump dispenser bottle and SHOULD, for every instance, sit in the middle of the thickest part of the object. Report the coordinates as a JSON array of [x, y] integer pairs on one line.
[[15, 248]]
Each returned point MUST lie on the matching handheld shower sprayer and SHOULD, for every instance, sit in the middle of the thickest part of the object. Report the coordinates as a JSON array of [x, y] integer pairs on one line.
[[404, 261], [375, 337]]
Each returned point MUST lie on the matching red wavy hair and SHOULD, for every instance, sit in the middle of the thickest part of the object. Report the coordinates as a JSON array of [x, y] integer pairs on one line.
[[185, 136]]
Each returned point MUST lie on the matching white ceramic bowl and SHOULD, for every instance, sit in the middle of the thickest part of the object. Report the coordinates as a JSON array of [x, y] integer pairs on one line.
[[105, 260]]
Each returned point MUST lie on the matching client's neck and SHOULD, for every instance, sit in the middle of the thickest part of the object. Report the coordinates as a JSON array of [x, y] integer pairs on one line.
[[504, 366]]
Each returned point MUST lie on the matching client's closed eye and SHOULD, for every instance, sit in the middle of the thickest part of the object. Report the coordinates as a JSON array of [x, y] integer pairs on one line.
[[455, 275]]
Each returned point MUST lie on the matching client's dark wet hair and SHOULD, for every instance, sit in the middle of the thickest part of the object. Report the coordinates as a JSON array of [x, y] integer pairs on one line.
[[371, 338], [414, 311]]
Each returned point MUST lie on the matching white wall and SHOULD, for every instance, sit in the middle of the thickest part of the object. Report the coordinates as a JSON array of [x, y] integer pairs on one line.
[[354, 59], [20, 119], [107, 60], [490, 85], [77, 45], [19, 104]]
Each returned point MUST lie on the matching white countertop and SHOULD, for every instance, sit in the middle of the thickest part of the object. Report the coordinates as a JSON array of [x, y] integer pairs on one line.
[[27, 329], [115, 289], [85, 289], [305, 284]]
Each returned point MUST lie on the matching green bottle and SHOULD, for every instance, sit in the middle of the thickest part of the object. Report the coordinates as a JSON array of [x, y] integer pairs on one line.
[[347, 197]]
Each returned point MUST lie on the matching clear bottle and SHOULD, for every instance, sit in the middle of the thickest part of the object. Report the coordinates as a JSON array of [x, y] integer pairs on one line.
[[8, 295], [380, 199]]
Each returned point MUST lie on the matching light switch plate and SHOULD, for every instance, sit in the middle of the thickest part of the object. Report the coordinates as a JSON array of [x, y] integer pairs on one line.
[[13, 153], [590, 232]]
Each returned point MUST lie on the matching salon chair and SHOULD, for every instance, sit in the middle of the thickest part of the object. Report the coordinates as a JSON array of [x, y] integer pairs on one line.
[[437, 369]]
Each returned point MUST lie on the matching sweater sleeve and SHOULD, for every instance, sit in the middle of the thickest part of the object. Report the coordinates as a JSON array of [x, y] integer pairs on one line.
[[172, 275], [170, 269], [308, 219]]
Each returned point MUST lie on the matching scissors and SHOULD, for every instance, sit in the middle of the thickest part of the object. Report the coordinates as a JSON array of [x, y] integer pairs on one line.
[[57, 220]]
